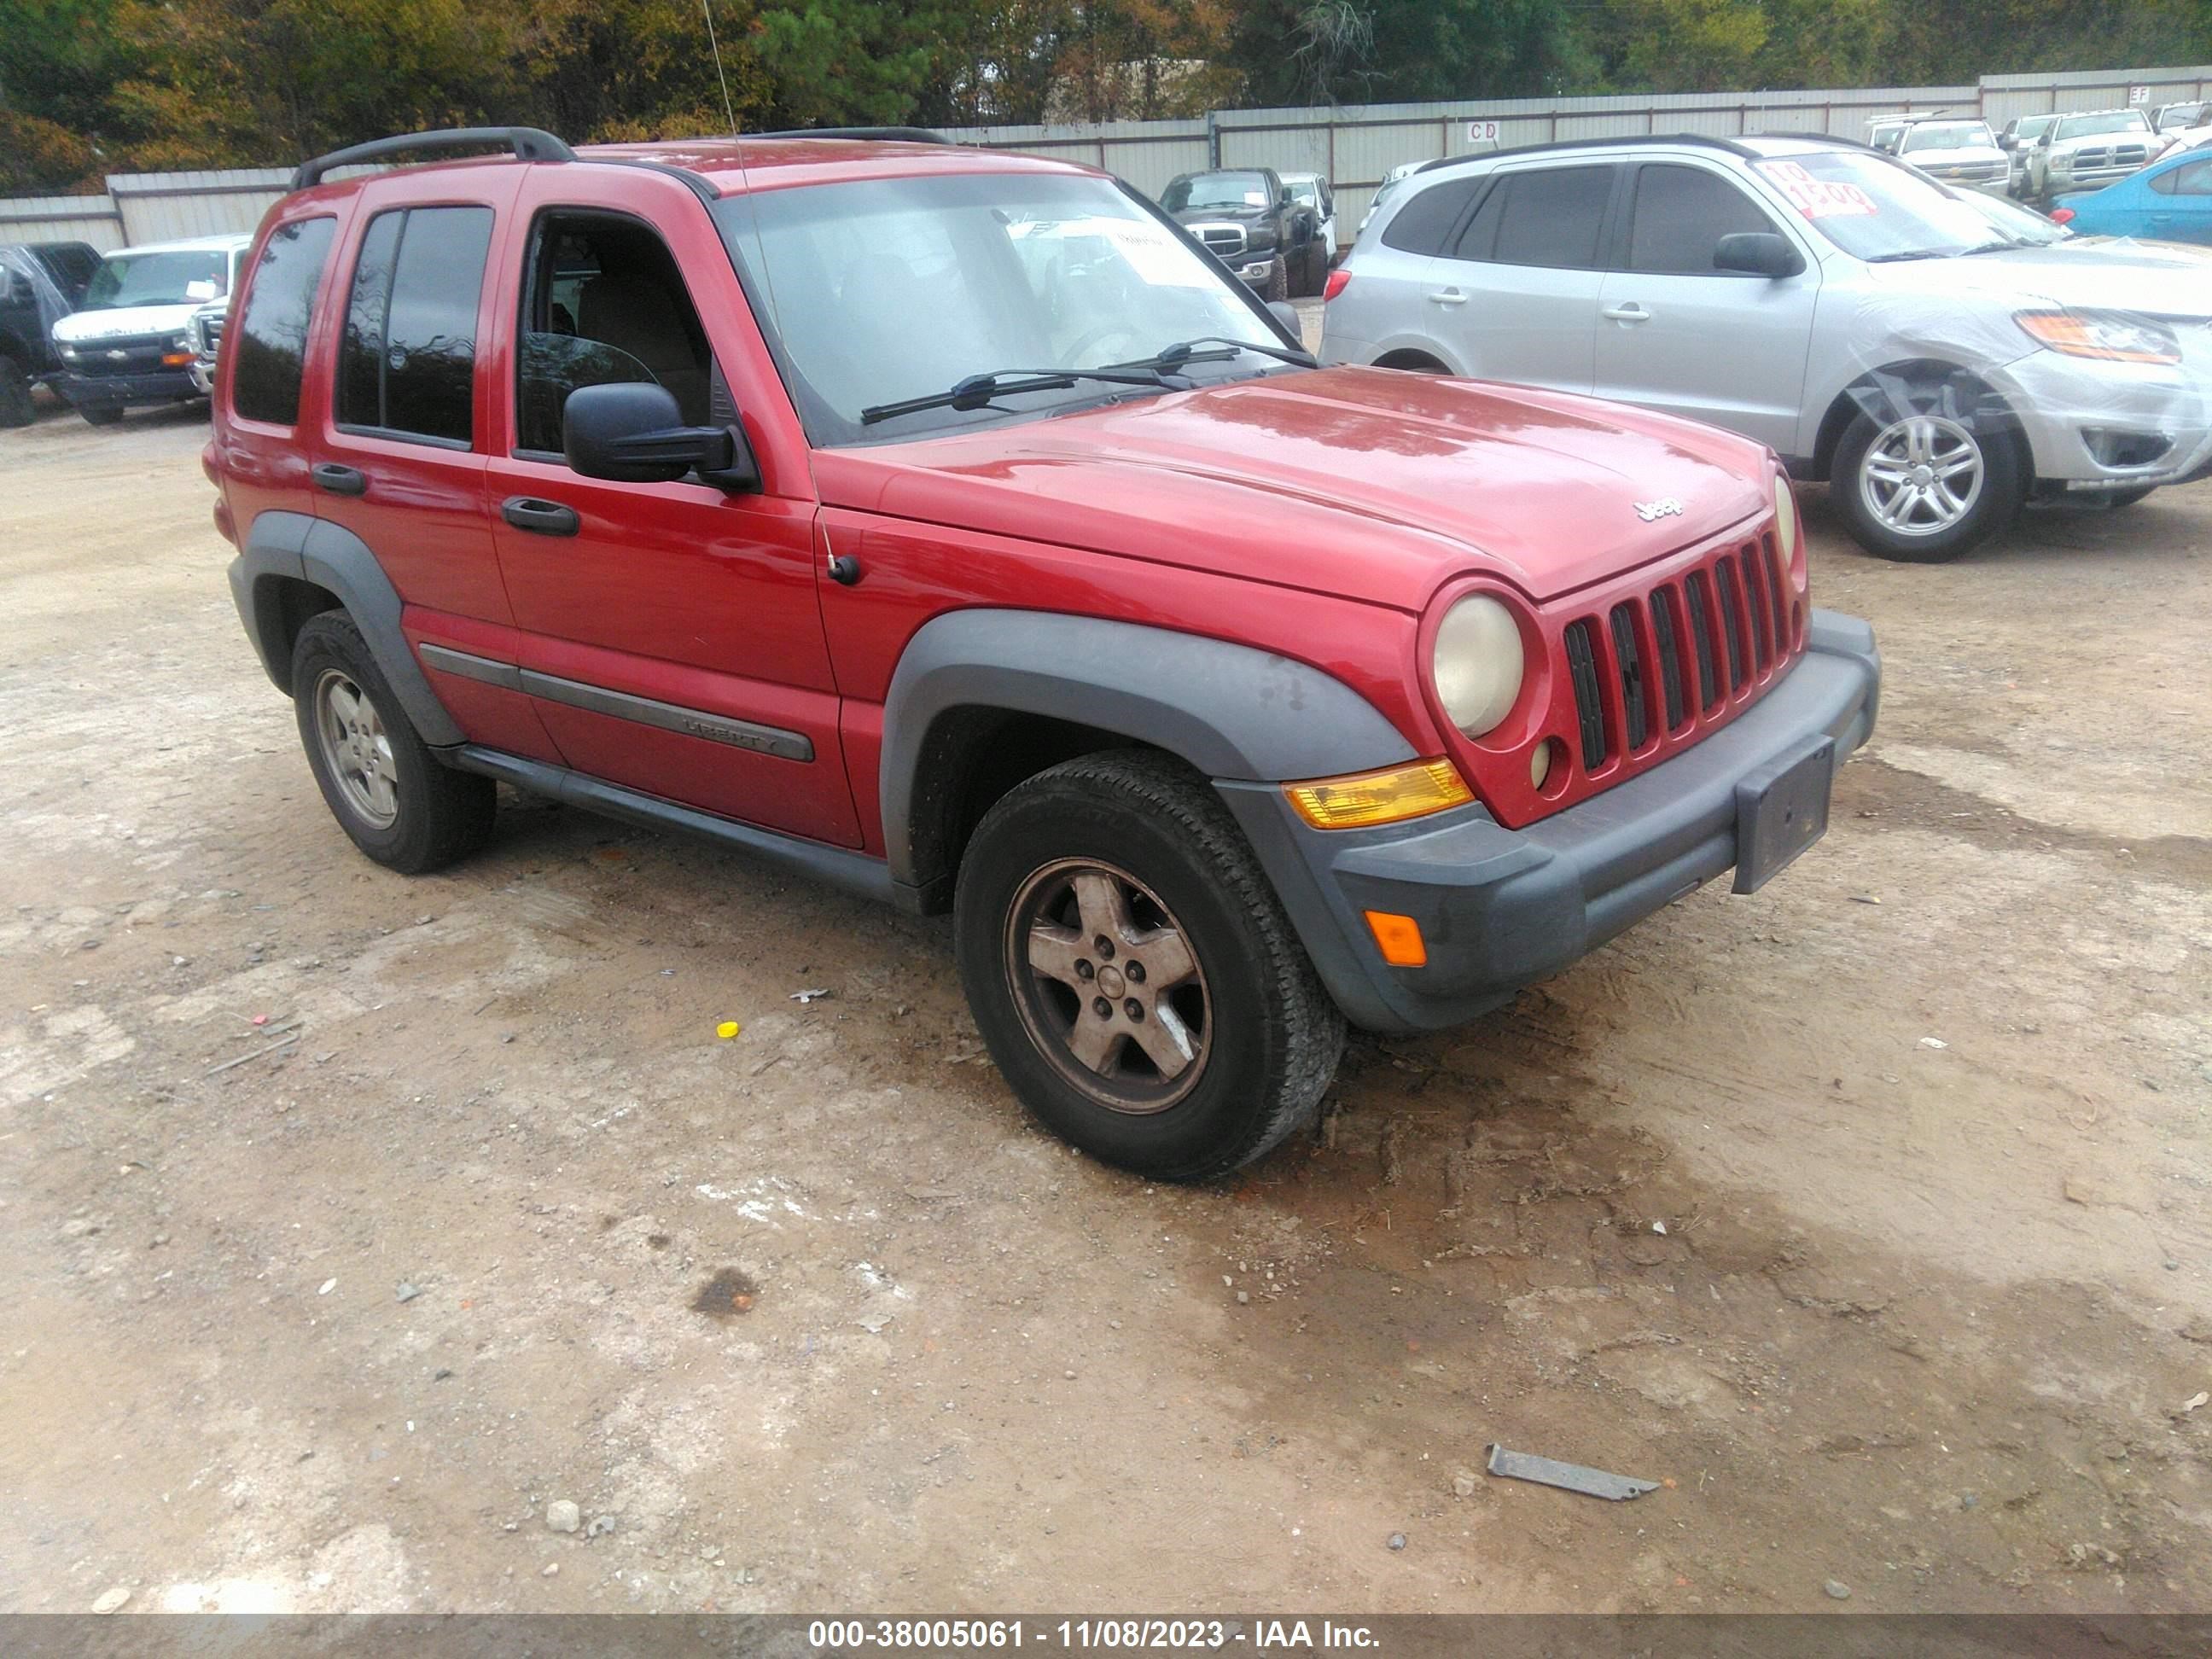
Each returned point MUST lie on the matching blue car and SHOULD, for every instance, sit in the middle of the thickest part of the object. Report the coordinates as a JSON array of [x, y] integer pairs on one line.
[[2168, 201]]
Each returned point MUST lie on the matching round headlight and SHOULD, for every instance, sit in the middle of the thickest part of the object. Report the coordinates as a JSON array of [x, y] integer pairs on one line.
[[1785, 518], [1478, 664]]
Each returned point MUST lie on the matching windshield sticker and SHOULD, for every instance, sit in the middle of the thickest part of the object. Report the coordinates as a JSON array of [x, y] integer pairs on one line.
[[1817, 198]]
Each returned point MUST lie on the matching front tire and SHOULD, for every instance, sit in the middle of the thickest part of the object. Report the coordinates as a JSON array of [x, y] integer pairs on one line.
[[15, 407], [395, 799], [1925, 480], [1279, 280], [1133, 973]]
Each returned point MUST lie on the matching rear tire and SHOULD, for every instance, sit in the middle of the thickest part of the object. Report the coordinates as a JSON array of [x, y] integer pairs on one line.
[[17, 408], [1929, 479], [1118, 882], [395, 799], [1317, 266]]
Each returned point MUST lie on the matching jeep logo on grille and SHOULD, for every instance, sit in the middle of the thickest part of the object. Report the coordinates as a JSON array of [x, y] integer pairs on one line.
[[1665, 507]]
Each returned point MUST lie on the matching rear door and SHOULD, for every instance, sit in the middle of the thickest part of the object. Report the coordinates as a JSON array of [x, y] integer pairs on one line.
[[1677, 335], [669, 634], [1518, 289]]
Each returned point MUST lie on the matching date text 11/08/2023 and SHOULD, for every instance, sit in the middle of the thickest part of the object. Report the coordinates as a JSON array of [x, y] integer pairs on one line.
[[954, 1635]]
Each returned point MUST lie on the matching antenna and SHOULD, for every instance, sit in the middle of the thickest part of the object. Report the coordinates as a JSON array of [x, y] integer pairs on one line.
[[728, 112]]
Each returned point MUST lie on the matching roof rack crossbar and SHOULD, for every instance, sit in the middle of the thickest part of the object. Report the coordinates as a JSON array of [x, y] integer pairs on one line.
[[1625, 141], [528, 143], [888, 135]]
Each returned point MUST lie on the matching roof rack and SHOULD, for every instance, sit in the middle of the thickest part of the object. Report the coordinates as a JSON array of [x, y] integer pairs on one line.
[[528, 143], [1625, 141], [887, 135]]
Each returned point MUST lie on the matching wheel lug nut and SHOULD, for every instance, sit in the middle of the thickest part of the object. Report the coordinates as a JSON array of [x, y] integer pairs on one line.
[[1135, 970], [1134, 1009], [1083, 968], [1105, 947], [1102, 1008]]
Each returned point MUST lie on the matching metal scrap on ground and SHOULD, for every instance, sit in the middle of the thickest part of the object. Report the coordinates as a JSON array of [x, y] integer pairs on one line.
[[1569, 1477]]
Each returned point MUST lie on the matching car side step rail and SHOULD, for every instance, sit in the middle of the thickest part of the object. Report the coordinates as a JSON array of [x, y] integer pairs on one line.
[[839, 866], [528, 143]]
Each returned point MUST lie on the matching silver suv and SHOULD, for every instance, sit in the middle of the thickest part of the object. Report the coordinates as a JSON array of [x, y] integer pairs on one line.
[[1868, 324]]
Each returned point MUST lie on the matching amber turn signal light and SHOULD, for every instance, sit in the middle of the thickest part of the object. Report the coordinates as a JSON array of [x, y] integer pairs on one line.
[[1364, 798], [1399, 938]]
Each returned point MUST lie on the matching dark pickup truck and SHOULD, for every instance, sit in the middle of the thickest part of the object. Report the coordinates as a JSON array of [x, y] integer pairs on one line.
[[39, 282], [1247, 219]]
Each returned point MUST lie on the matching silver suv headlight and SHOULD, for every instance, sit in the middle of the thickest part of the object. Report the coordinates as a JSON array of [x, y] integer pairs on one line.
[[1477, 664]]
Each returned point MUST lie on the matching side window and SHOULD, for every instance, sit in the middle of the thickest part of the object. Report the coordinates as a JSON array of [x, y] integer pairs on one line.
[[2194, 180], [1427, 217], [603, 301], [1553, 216], [1680, 215], [271, 340], [408, 360]]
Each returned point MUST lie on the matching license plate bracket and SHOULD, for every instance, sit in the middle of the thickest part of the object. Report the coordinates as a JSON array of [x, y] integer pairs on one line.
[[1781, 809]]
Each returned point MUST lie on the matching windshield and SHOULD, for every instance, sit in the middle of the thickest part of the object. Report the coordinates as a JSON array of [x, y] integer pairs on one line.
[[2023, 224], [190, 277], [893, 289], [1305, 191], [1875, 209], [2033, 128], [1972, 136], [2111, 120], [1216, 190]]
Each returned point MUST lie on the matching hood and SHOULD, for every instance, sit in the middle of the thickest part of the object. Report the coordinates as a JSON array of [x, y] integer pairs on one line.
[[2104, 141], [1970, 155], [80, 327], [2059, 274], [1224, 214], [1362, 483]]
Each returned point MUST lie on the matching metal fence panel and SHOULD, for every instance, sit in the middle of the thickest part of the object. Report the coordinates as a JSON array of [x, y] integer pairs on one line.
[[62, 219], [1353, 145]]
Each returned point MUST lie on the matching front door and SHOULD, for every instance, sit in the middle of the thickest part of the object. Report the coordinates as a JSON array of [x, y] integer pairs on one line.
[[669, 634], [1676, 335]]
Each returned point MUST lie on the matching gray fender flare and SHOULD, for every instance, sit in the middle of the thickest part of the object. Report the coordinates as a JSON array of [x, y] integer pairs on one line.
[[316, 550], [1233, 712]]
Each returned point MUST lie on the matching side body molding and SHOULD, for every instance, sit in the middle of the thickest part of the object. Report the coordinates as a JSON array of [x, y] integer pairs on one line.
[[1231, 711], [330, 556]]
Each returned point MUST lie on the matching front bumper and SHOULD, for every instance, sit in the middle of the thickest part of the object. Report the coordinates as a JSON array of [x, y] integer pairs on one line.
[[2095, 426], [1502, 908], [159, 386], [1253, 267], [201, 373]]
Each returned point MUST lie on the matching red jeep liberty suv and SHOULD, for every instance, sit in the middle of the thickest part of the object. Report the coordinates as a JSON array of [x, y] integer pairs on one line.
[[949, 526]]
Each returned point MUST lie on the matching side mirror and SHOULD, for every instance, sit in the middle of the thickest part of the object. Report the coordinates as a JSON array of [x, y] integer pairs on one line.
[[633, 432], [1286, 314], [2006, 141], [19, 291], [1759, 253]]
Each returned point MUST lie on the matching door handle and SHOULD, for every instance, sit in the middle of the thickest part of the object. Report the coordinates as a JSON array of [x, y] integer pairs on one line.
[[1630, 313], [340, 480], [1447, 296], [541, 516]]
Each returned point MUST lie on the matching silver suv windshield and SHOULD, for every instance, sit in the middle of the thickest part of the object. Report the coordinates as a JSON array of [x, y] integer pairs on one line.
[[2111, 120], [1875, 209], [890, 289], [1970, 134]]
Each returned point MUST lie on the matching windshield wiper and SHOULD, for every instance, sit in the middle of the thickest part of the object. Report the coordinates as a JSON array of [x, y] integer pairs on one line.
[[979, 390], [1907, 253], [1193, 351], [1994, 247]]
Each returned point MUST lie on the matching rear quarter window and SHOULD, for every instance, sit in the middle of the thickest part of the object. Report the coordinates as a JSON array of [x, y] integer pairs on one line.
[[1426, 217], [270, 341]]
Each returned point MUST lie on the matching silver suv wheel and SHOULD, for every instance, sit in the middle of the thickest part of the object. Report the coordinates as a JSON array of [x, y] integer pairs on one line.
[[1921, 475]]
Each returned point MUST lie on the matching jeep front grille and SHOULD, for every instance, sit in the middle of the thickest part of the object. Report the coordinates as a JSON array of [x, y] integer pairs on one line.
[[1736, 610], [1226, 241]]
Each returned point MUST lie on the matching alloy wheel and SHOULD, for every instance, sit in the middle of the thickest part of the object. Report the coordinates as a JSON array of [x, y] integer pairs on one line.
[[356, 748], [1921, 475], [1108, 986]]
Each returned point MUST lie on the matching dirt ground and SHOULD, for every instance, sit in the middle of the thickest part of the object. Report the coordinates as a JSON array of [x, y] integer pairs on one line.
[[333, 1325]]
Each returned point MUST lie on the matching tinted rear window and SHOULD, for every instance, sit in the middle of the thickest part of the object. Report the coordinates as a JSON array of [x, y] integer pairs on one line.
[[1421, 225], [270, 341], [408, 362], [1553, 216]]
